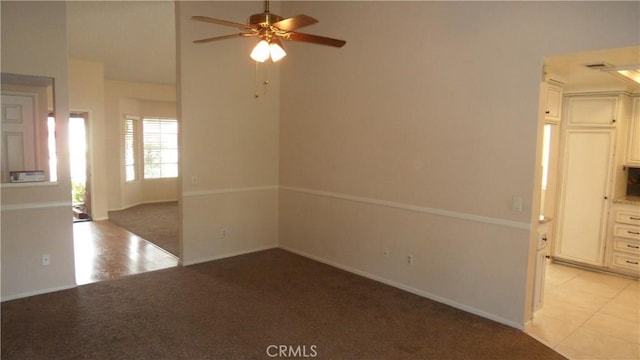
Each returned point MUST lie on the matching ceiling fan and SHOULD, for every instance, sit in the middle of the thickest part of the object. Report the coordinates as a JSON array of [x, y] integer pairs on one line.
[[269, 28]]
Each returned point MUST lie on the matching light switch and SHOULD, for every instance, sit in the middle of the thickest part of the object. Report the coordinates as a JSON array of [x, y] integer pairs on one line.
[[516, 204]]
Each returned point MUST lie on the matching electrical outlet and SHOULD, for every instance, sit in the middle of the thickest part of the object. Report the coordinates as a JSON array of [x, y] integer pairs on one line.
[[409, 259], [194, 180], [385, 253], [224, 232], [46, 260]]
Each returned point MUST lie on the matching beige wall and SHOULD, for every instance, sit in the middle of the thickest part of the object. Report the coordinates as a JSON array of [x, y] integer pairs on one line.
[[229, 139], [141, 100], [418, 133], [36, 219]]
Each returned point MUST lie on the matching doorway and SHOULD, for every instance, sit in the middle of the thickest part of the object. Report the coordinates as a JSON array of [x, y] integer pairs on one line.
[[80, 166], [581, 302]]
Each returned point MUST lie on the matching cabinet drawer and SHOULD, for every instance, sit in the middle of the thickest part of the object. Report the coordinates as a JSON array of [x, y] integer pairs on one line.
[[627, 245], [626, 231], [628, 217], [628, 262]]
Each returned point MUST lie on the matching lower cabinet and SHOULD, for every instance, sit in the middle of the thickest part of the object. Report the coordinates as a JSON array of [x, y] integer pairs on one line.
[[624, 241], [542, 254]]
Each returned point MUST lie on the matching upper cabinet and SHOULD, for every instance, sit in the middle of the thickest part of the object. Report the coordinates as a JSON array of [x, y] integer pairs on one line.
[[593, 110], [632, 157], [554, 104]]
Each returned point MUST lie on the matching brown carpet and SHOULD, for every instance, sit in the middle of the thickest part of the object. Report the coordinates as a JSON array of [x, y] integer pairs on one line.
[[157, 223], [236, 308]]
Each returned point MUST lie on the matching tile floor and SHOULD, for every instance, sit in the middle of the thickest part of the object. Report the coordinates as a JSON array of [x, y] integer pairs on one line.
[[105, 251], [589, 315]]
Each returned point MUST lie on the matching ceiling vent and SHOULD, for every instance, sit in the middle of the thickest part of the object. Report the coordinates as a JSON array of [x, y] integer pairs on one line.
[[598, 65]]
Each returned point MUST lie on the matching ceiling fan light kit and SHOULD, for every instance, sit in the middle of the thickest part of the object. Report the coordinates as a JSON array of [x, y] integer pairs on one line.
[[260, 53], [276, 51], [269, 29]]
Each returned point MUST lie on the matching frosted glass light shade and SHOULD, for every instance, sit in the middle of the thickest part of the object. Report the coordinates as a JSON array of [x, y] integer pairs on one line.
[[260, 53], [277, 52]]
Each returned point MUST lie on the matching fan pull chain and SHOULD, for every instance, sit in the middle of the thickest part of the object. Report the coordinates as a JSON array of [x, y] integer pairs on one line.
[[265, 82], [266, 77], [255, 83]]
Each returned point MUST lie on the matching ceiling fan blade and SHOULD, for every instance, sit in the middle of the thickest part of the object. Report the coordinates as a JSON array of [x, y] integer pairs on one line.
[[322, 40], [232, 36], [295, 22], [222, 22]]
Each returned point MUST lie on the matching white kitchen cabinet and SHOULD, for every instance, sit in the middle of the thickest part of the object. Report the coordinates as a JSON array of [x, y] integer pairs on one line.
[[542, 254], [632, 155], [625, 239], [584, 192], [553, 104], [592, 110]]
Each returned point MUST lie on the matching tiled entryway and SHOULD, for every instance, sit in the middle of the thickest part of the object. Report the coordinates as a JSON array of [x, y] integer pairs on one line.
[[105, 251], [589, 315]]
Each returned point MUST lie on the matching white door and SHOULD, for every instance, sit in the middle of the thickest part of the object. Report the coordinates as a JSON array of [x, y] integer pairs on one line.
[[585, 188], [18, 140]]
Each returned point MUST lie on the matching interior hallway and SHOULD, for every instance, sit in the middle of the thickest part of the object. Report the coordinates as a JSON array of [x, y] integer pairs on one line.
[[105, 251], [589, 315]]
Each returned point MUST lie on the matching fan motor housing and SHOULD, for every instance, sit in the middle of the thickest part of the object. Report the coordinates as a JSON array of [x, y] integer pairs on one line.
[[264, 19]]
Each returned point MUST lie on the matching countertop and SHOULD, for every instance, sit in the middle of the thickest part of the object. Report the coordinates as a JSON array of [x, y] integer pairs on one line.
[[631, 200]]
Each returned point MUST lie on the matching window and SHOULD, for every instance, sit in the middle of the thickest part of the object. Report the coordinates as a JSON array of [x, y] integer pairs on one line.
[[160, 141], [130, 173]]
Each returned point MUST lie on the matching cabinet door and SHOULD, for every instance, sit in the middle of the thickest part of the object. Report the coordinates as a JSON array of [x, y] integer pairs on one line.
[[584, 190], [592, 110], [633, 141], [554, 103]]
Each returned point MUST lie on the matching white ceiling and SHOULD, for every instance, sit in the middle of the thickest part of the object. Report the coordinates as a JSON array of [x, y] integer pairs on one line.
[[572, 70], [135, 40]]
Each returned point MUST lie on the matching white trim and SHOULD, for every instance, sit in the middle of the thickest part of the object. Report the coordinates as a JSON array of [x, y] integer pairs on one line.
[[396, 205], [38, 292], [410, 289], [223, 256], [229, 190], [421, 209], [29, 206]]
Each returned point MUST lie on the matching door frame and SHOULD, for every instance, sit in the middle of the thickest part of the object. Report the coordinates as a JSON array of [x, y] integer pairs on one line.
[[87, 131]]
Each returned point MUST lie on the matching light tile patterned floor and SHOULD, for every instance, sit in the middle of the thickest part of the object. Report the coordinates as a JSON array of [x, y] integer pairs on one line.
[[589, 315]]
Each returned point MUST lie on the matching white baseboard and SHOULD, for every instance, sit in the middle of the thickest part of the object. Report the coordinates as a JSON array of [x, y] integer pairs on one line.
[[38, 292], [227, 255], [410, 289]]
